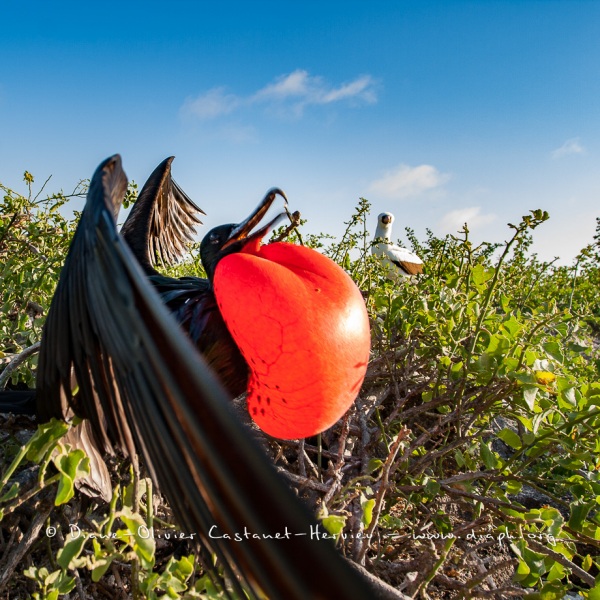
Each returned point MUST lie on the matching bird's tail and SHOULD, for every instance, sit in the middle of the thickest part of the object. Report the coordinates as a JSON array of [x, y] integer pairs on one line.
[[18, 402]]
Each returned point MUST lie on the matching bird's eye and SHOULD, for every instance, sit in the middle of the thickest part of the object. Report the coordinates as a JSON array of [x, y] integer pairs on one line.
[[214, 238]]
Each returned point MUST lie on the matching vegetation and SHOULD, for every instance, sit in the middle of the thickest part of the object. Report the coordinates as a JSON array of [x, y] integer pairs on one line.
[[469, 466]]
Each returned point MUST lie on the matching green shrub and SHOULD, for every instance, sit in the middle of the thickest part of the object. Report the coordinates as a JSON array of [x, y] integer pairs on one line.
[[476, 430]]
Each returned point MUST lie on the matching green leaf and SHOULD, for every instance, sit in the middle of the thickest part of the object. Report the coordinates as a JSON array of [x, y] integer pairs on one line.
[[579, 513], [65, 584], [71, 466], [183, 568], [529, 394], [553, 590], [31, 573], [374, 465], [594, 593], [510, 438], [101, 566], [513, 487], [488, 457], [70, 551], [569, 397], [522, 571], [432, 487], [13, 492], [45, 438], [144, 544], [367, 515], [481, 275], [553, 350], [556, 572], [334, 524], [527, 423], [459, 457], [553, 519], [512, 326]]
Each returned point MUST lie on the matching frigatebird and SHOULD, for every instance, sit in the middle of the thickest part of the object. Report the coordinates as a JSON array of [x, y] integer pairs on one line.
[[400, 262], [113, 354]]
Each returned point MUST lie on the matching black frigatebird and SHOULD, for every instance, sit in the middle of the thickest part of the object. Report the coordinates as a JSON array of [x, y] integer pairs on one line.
[[143, 387]]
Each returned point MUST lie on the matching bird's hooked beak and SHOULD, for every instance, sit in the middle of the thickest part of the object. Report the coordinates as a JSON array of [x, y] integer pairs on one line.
[[241, 232], [386, 219]]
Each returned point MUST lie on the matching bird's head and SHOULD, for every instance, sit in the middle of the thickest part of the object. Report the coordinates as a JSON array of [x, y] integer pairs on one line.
[[384, 227], [386, 218], [238, 237]]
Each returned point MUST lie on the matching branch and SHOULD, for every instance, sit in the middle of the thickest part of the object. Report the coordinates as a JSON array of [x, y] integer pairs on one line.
[[563, 560], [16, 362]]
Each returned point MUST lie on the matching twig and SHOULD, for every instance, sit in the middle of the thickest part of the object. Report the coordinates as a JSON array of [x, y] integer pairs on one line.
[[30, 246], [301, 459], [79, 586], [294, 223], [383, 486], [483, 499], [374, 400], [25, 497], [41, 189], [5, 232], [562, 560], [303, 481], [118, 579], [16, 362], [25, 544], [487, 573], [309, 448], [337, 476], [422, 590]]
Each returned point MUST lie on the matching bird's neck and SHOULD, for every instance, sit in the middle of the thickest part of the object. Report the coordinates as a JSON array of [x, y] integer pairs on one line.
[[383, 232]]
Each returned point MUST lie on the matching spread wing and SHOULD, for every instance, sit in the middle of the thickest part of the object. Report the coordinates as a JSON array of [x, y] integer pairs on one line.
[[144, 388], [162, 221], [160, 225]]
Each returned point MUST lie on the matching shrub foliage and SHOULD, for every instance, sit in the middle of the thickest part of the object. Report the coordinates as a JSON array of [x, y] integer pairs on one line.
[[469, 466]]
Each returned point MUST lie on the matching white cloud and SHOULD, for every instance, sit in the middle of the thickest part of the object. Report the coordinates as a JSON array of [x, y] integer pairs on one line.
[[297, 83], [359, 88], [405, 181], [472, 216], [288, 94], [213, 103], [310, 89], [572, 146]]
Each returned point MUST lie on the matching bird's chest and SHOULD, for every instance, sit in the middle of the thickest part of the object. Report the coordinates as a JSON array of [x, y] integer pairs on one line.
[[199, 316]]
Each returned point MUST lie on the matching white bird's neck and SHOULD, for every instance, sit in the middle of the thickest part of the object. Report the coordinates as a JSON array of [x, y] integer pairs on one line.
[[384, 231]]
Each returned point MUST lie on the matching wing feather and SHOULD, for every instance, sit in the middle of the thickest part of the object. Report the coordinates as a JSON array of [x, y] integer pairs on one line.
[[405, 260], [162, 221]]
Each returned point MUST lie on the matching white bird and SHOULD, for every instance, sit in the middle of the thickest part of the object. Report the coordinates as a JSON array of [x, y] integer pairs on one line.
[[400, 261]]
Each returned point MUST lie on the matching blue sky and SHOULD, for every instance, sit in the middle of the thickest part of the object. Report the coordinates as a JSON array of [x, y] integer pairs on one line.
[[439, 112]]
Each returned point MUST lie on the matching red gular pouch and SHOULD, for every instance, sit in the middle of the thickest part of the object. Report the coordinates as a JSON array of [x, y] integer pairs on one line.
[[302, 326]]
